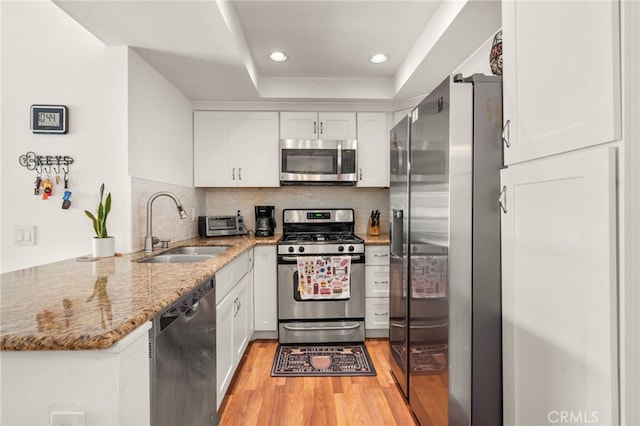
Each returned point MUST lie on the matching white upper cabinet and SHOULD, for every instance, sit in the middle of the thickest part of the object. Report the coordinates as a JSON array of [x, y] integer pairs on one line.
[[373, 149], [559, 289], [235, 149], [561, 77], [314, 125], [258, 149]]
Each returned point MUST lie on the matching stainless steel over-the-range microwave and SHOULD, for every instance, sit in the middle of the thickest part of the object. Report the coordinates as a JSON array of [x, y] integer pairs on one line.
[[321, 162]]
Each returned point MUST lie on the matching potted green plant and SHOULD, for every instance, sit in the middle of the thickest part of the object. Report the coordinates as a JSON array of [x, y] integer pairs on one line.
[[103, 245]]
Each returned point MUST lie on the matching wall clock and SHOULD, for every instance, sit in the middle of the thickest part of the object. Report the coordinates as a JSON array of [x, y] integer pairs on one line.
[[49, 118]]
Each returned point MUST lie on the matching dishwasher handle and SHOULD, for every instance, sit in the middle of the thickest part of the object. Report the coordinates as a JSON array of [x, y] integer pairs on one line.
[[191, 312]]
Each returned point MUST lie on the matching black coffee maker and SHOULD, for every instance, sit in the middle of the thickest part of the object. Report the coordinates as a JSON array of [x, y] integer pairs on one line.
[[265, 221]]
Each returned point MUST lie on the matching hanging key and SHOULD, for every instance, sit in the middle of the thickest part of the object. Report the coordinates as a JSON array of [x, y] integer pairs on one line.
[[66, 180], [38, 182], [65, 200], [47, 186]]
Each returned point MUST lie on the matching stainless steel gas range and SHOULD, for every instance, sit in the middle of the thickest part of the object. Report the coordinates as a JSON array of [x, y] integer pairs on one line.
[[321, 277]]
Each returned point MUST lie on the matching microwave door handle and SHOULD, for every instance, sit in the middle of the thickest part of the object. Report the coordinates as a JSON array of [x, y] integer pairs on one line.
[[339, 160]]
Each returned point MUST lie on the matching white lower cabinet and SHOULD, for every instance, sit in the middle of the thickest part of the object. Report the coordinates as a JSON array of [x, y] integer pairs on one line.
[[234, 318], [265, 287], [377, 291], [559, 290]]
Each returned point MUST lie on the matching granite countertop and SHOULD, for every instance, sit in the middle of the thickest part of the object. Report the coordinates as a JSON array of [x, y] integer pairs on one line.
[[72, 304], [75, 305], [376, 240]]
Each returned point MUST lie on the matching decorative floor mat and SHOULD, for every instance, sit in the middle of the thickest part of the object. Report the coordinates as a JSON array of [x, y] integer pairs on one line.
[[322, 360]]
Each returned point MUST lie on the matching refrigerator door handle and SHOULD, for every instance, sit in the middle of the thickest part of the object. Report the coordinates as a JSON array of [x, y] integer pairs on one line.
[[396, 232]]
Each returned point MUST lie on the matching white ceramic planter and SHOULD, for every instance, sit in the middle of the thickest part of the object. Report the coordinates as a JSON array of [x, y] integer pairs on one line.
[[104, 247]]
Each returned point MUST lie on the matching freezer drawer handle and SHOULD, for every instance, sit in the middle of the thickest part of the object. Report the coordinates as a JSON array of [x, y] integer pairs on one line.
[[506, 134], [423, 327], [398, 324], [345, 327], [502, 199]]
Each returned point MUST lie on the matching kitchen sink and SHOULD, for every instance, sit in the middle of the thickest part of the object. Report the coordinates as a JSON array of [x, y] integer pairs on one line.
[[177, 258], [187, 254], [198, 250]]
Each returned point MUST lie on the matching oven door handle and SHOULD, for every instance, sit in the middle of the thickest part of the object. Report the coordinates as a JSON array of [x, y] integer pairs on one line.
[[345, 327], [295, 258]]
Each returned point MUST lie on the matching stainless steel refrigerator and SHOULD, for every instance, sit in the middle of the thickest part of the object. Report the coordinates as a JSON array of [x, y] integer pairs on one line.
[[445, 308]]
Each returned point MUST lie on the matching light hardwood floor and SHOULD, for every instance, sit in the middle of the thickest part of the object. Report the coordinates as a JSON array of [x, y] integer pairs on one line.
[[256, 398]]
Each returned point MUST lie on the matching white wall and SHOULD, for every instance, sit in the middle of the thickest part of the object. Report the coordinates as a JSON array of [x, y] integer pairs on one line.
[[48, 58], [160, 127], [477, 63]]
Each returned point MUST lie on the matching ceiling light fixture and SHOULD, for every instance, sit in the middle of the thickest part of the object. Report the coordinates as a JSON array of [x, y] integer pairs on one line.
[[278, 56], [379, 58]]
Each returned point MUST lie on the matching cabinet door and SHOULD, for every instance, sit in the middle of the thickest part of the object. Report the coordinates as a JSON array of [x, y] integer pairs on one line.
[[265, 284], [561, 83], [337, 125], [559, 289], [225, 311], [214, 141], [241, 319], [299, 125], [373, 149], [257, 149]]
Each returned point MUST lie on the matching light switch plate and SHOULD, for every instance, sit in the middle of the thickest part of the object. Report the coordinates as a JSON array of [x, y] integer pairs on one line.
[[25, 235], [67, 418]]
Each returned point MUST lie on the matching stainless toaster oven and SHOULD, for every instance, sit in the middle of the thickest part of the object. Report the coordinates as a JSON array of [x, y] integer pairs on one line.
[[219, 226]]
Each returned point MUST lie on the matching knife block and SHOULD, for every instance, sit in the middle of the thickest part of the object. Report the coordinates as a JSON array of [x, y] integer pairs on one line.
[[372, 229]]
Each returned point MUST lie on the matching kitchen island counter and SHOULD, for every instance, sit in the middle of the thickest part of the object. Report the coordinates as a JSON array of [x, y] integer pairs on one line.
[[78, 305]]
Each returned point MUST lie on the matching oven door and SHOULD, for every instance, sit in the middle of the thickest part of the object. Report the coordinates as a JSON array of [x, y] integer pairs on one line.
[[292, 307]]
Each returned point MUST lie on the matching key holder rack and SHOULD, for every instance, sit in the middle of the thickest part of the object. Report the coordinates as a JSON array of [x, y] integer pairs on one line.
[[33, 161]]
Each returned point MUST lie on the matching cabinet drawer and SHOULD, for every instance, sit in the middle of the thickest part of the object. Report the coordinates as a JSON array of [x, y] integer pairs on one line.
[[228, 277], [377, 255], [377, 314], [377, 281]]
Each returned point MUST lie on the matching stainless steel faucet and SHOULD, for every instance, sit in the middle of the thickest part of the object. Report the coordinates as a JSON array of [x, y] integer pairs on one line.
[[149, 239]]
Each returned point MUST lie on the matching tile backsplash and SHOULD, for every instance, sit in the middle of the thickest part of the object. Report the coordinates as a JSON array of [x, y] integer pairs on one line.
[[227, 201], [166, 221]]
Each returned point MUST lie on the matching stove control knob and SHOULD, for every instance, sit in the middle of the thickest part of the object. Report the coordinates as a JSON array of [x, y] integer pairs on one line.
[[290, 249], [300, 249], [351, 248], [341, 248]]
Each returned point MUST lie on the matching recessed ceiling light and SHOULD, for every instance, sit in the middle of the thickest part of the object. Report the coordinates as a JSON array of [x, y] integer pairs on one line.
[[379, 58], [278, 56]]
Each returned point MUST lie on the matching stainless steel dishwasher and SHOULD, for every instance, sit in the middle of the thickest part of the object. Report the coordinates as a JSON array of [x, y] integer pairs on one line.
[[182, 355]]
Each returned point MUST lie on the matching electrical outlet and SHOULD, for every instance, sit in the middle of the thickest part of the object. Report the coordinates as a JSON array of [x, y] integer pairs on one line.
[[67, 418], [193, 214], [25, 235]]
